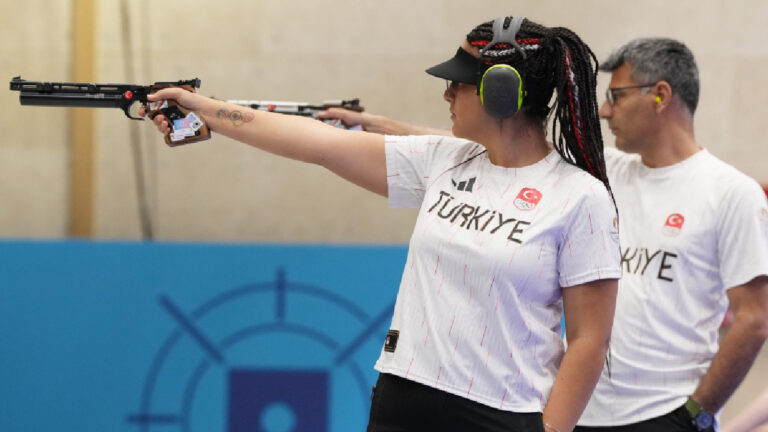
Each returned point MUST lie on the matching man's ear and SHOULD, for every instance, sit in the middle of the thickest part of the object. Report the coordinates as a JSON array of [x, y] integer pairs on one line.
[[662, 94]]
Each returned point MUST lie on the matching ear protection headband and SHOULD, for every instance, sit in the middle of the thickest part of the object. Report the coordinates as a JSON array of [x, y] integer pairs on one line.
[[501, 86]]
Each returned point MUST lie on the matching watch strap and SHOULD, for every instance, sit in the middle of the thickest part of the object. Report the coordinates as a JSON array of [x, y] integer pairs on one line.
[[693, 407], [702, 420]]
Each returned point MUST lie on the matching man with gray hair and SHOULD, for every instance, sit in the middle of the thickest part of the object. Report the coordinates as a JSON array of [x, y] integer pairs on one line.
[[694, 240]]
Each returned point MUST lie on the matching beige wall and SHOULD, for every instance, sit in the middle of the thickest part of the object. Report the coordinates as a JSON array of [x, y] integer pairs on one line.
[[33, 150], [309, 50]]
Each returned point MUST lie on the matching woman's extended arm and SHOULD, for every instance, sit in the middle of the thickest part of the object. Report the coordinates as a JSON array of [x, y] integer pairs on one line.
[[380, 124], [589, 312], [356, 156]]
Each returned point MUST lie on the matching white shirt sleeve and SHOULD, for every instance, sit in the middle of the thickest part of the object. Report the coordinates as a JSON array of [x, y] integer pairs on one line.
[[742, 234], [590, 247], [412, 160]]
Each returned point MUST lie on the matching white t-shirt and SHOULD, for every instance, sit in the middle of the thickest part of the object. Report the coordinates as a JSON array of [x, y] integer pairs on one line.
[[479, 306], [688, 233]]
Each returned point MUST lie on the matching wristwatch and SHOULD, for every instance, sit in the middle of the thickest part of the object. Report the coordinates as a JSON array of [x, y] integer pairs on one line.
[[702, 420]]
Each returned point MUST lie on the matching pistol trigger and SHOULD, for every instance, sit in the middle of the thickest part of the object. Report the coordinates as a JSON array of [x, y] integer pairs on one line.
[[127, 111]]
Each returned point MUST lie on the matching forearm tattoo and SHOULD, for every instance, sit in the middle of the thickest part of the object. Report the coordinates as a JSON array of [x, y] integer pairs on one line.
[[237, 117]]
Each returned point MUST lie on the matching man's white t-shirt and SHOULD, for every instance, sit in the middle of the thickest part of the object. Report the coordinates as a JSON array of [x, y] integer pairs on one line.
[[688, 233], [479, 306]]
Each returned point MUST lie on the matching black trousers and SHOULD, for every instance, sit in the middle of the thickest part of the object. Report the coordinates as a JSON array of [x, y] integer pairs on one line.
[[400, 405], [676, 421]]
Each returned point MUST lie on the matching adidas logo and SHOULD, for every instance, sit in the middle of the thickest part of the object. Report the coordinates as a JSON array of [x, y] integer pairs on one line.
[[466, 185]]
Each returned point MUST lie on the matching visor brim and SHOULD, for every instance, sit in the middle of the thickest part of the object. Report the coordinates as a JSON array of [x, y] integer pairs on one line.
[[462, 67]]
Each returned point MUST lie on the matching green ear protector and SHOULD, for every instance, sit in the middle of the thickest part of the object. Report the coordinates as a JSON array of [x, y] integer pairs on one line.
[[501, 86]]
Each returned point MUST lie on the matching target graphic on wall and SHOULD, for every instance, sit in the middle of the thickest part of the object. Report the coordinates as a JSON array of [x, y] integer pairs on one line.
[[276, 356]]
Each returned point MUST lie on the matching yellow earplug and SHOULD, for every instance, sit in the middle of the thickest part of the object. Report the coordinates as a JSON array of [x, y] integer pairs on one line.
[[658, 99]]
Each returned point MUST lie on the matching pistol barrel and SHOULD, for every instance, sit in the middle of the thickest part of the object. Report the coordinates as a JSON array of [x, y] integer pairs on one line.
[[99, 100]]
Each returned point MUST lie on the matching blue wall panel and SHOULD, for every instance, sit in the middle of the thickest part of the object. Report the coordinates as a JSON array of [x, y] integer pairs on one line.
[[148, 337]]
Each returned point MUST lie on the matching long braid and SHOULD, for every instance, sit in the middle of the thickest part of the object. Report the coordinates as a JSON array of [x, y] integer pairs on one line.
[[555, 59], [576, 112]]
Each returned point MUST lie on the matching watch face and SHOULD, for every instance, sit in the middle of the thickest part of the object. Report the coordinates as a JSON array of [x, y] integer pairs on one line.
[[704, 420]]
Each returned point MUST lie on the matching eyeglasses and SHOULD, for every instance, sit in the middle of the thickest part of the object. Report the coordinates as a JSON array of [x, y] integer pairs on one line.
[[610, 93], [454, 85]]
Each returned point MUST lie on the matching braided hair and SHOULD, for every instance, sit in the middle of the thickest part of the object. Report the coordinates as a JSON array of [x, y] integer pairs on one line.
[[554, 60]]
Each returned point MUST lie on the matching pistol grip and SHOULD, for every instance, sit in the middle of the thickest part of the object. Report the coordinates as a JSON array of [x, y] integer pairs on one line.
[[186, 126]]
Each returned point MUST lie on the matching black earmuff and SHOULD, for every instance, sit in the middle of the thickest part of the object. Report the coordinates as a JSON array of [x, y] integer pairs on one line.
[[501, 86], [501, 91]]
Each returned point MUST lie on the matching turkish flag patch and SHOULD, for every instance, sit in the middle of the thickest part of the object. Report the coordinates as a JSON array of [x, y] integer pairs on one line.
[[527, 199], [673, 225]]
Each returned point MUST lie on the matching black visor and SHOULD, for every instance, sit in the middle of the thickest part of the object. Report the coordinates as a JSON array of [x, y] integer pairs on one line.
[[462, 67]]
